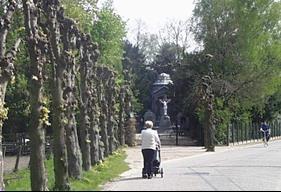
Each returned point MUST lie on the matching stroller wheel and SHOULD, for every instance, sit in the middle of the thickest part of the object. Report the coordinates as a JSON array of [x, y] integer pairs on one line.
[[161, 172], [155, 173]]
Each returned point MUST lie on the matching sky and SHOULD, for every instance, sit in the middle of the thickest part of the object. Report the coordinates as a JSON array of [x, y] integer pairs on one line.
[[154, 13]]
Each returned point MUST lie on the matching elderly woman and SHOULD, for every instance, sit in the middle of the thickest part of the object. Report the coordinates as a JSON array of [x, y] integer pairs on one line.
[[150, 140]]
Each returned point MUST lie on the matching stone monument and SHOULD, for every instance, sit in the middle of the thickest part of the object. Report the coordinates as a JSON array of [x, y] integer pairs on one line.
[[160, 90]]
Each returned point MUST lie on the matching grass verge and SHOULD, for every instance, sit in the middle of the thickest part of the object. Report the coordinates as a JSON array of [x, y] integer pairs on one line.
[[92, 180]]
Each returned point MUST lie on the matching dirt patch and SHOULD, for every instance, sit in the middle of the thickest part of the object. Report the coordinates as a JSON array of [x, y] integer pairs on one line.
[[10, 162]]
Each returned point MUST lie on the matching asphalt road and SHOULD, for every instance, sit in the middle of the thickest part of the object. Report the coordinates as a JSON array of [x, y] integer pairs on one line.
[[247, 168]]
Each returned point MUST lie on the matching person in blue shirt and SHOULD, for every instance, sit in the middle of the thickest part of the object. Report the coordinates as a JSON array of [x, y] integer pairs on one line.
[[265, 128]]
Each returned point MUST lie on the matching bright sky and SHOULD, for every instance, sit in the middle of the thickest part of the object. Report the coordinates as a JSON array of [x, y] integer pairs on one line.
[[155, 13]]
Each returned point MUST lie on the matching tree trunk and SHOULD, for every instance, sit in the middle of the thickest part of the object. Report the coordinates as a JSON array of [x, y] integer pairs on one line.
[[94, 131], [100, 114], [73, 150], [6, 72], [130, 122], [36, 131], [94, 137], [103, 127], [3, 116], [121, 123], [51, 9], [110, 112], [210, 135], [85, 72], [60, 151], [68, 29], [208, 100], [205, 130], [104, 112], [85, 140], [115, 115]]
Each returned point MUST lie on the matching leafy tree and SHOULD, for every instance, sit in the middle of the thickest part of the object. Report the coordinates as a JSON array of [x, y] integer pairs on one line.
[[104, 25], [83, 12], [243, 38], [149, 46], [109, 32], [143, 77], [17, 97], [166, 60]]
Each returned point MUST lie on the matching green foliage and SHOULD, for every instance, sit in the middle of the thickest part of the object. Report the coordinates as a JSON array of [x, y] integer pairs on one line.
[[223, 116], [76, 10], [109, 32], [272, 107], [2, 6], [105, 27], [166, 60], [243, 44], [199, 111], [137, 106], [19, 108], [17, 31]]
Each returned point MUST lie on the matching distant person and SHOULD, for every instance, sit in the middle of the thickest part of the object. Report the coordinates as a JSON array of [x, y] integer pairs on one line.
[[149, 141], [265, 128]]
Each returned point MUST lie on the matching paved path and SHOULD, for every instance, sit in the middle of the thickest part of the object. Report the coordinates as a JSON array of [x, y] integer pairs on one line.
[[135, 159], [242, 168]]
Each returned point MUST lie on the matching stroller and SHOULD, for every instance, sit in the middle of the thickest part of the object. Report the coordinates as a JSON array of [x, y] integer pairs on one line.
[[156, 163]]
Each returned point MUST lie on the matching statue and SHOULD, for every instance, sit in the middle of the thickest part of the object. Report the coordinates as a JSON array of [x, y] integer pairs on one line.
[[165, 121], [165, 102]]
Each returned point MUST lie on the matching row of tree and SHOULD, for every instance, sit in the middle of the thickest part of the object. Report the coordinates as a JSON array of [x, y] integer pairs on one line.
[[89, 102]]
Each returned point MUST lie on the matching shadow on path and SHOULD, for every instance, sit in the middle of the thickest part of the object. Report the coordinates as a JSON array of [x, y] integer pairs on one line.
[[135, 178], [129, 179]]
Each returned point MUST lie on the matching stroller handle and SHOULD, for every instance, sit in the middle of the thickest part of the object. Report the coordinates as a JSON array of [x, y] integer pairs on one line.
[[158, 146]]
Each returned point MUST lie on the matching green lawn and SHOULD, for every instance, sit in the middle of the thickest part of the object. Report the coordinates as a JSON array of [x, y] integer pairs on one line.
[[111, 168]]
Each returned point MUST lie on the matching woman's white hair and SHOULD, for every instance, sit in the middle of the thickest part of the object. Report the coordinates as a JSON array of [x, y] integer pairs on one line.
[[148, 124]]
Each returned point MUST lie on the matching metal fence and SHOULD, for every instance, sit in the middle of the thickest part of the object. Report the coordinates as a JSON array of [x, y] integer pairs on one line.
[[239, 132]]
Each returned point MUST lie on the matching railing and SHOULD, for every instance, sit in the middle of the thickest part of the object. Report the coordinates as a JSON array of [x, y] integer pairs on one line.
[[239, 133], [13, 142]]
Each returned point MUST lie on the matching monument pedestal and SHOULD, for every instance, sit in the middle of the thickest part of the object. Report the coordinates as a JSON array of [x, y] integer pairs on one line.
[[165, 122]]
